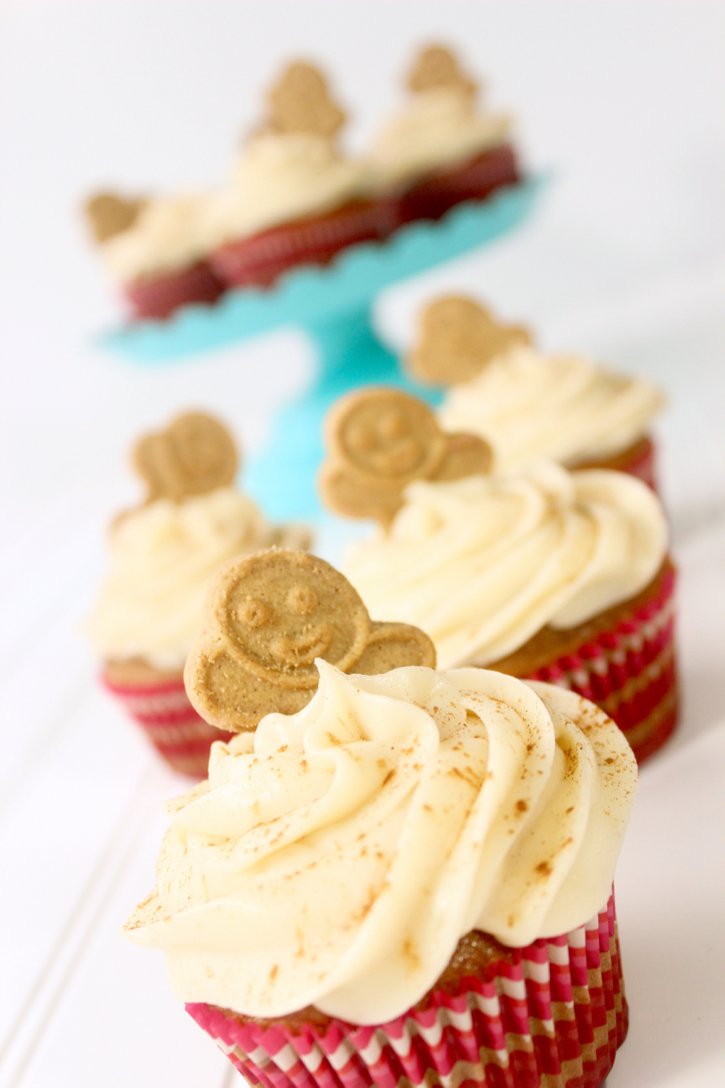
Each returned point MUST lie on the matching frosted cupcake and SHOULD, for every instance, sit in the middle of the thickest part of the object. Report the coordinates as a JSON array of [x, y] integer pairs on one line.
[[407, 881], [162, 555], [155, 250], [530, 405], [542, 573], [441, 149], [294, 197]]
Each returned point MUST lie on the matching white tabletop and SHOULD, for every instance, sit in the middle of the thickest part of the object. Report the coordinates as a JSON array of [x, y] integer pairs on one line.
[[624, 103]]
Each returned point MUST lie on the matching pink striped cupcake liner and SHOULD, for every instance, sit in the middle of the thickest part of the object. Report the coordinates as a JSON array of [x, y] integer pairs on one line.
[[639, 460], [258, 260], [433, 196], [630, 671], [170, 722], [642, 463], [159, 296], [550, 1016]]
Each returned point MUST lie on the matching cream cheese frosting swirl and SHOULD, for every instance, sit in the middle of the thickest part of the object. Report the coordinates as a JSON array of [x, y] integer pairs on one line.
[[335, 857], [563, 407], [280, 177], [482, 564], [162, 558], [169, 234], [437, 127]]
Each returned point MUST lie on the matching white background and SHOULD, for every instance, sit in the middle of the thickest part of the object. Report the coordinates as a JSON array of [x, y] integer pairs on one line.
[[625, 105]]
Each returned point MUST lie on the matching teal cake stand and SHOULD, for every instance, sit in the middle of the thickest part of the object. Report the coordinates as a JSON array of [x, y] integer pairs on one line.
[[333, 305]]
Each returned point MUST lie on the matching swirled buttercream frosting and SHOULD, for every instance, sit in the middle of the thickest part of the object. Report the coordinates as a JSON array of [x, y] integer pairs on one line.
[[169, 234], [162, 557], [482, 564], [562, 407], [436, 128], [280, 177], [335, 857]]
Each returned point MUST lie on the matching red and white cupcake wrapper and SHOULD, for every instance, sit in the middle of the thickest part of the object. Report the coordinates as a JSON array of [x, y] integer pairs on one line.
[[259, 259], [553, 1017], [158, 296], [433, 196], [630, 671], [170, 722], [642, 463]]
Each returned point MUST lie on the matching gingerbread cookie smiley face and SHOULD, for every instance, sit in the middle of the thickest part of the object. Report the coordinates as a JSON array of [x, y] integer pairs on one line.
[[267, 618], [386, 434], [379, 441], [193, 456], [279, 625]]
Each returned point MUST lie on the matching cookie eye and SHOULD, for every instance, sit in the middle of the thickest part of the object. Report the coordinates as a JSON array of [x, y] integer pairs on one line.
[[254, 613], [302, 600], [392, 425]]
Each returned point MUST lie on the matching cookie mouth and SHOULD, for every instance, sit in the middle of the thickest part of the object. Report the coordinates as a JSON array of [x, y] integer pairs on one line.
[[300, 651]]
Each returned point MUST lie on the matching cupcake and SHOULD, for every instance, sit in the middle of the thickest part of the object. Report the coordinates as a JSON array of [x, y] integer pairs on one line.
[[529, 405], [155, 250], [293, 198], [441, 149], [408, 880], [162, 555], [542, 573]]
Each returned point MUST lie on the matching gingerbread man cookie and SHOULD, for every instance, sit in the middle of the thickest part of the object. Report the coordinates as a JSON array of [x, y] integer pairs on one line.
[[300, 102], [457, 338], [194, 455], [437, 67], [267, 617], [379, 441], [109, 214]]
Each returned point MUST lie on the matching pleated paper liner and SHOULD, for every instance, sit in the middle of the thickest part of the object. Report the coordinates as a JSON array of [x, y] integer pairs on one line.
[[163, 711], [160, 295], [550, 1015], [639, 459], [624, 661], [258, 260], [431, 197]]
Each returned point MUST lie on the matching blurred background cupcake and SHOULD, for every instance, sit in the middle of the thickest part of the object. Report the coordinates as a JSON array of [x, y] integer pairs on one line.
[[155, 250], [293, 197], [528, 404], [542, 573], [162, 555], [441, 148]]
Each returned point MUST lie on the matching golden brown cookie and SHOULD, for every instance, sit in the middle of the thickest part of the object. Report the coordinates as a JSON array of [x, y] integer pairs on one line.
[[266, 618], [380, 440], [194, 455], [434, 67], [109, 214], [300, 102], [457, 338]]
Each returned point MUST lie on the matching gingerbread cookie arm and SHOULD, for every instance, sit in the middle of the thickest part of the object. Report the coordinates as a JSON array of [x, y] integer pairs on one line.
[[394, 646], [466, 455]]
